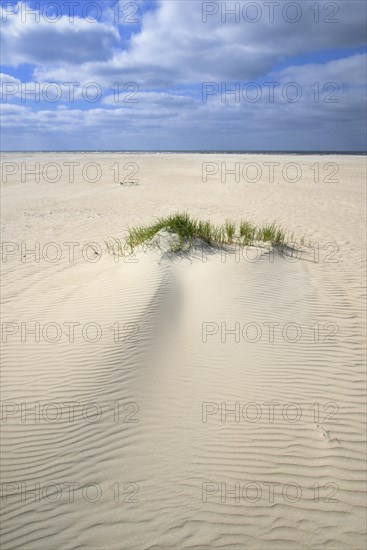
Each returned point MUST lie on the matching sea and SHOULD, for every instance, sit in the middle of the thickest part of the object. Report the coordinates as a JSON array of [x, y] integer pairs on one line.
[[188, 151]]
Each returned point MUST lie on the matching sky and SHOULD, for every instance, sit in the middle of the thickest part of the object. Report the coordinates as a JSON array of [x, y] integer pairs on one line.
[[183, 75]]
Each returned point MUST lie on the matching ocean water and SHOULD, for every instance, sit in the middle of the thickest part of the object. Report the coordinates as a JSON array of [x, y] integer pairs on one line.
[[199, 152]]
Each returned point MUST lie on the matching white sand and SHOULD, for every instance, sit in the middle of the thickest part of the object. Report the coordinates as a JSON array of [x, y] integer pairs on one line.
[[174, 464]]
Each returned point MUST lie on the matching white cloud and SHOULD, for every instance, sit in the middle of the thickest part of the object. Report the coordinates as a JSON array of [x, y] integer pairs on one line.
[[169, 120], [175, 46], [171, 52], [46, 44]]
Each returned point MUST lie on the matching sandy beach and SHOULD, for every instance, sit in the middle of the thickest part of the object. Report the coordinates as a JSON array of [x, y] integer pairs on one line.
[[156, 401]]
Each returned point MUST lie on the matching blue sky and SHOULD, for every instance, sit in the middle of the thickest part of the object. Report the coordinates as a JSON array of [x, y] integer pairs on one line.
[[134, 75]]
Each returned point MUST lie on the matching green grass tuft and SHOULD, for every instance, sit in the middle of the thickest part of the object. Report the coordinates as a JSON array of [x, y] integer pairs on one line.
[[230, 230], [247, 232], [187, 229]]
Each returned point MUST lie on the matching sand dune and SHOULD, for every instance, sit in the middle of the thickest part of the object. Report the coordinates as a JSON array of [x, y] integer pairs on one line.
[[209, 402]]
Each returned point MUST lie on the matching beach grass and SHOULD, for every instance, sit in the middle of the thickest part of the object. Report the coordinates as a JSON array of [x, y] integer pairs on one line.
[[188, 229], [247, 232]]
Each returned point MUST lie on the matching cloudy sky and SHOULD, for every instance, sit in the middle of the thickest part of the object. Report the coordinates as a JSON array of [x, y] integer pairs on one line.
[[183, 75]]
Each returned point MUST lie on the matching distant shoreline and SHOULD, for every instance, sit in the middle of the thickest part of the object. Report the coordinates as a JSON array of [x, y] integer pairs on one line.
[[201, 152]]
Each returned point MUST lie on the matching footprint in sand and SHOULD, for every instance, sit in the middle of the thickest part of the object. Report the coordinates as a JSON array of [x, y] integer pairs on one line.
[[327, 434]]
